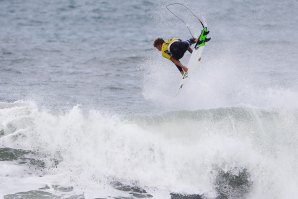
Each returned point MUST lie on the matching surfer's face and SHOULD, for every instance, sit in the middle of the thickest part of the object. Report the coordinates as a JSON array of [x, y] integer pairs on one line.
[[159, 47]]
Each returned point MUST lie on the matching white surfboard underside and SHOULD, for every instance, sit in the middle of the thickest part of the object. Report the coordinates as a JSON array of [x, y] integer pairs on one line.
[[193, 63]]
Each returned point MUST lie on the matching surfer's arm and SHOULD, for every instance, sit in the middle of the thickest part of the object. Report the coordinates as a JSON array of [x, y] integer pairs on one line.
[[189, 50], [178, 63]]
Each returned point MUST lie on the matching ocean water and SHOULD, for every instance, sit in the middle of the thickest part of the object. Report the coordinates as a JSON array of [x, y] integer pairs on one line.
[[89, 109]]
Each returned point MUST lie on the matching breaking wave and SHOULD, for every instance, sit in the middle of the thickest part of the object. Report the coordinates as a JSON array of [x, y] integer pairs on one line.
[[225, 152]]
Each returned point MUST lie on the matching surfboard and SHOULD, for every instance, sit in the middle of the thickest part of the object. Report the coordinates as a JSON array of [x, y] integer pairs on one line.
[[196, 56]]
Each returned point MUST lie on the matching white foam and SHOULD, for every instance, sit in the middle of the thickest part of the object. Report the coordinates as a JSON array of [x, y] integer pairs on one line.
[[178, 155]]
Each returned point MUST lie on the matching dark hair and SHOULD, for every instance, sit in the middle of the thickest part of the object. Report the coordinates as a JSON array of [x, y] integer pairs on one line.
[[158, 41]]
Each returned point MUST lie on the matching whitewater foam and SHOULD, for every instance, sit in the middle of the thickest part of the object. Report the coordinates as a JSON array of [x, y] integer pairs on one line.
[[173, 152]]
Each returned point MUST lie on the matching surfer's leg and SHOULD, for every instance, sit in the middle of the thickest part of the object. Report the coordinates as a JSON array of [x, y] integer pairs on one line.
[[191, 41], [180, 69]]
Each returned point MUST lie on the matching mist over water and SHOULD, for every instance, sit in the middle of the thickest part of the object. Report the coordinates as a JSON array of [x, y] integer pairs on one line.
[[88, 109]]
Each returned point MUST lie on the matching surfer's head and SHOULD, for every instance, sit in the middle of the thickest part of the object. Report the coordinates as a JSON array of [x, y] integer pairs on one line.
[[158, 43]]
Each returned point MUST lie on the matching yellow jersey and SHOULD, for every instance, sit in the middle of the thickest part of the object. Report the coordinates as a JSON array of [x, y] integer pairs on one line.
[[165, 51]]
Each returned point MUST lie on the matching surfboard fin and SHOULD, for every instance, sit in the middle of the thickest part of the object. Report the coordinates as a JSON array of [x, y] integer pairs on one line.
[[207, 39], [202, 38], [205, 33]]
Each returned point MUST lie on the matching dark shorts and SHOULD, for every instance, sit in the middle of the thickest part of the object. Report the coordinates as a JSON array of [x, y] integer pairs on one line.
[[178, 49]]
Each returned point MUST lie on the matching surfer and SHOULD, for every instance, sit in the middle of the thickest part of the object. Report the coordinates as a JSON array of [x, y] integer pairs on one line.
[[174, 49]]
